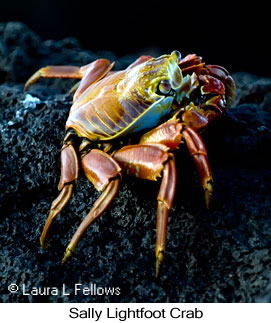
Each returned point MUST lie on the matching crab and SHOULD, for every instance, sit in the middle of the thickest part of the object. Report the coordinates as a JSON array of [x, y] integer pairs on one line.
[[170, 97]]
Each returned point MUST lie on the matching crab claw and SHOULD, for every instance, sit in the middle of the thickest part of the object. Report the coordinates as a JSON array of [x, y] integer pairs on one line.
[[222, 74]]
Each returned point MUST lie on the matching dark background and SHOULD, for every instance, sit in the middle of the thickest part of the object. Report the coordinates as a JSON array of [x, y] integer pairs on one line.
[[228, 33]]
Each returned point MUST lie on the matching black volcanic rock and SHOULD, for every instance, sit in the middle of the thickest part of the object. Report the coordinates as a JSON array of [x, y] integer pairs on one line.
[[220, 255]]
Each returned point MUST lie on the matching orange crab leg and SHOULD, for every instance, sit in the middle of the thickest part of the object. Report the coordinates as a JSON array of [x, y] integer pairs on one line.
[[172, 132], [198, 152], [168, 133], [165, 200], [69, 175], [96, 71], [54, 72], [92, 73], [57, 205], [148, 161], [98, 208], [104, 173], [139, 61], [195, 119]]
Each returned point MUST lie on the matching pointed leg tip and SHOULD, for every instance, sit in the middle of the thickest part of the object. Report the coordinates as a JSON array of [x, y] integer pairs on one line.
[[157, 268], [74, 88], [66, 256], [33, 79], [28, 84], [208, 195], [159, 260], [43, 243], [208, 200]]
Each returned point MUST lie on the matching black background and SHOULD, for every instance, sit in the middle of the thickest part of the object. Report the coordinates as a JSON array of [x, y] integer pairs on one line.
[[228, 33]]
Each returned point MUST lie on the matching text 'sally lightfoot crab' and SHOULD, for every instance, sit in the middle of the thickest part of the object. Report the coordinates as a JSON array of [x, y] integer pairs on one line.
[[171, 97]]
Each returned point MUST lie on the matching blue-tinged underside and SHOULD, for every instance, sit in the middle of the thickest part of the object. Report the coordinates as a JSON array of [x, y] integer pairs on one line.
[[99, 121]]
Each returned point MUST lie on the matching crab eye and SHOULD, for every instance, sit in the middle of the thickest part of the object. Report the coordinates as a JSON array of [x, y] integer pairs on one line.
[[178, 55], [165, 86]]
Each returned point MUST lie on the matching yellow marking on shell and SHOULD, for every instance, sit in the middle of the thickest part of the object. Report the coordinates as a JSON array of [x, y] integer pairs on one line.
[[171, 71], [121, 86], [116, 112], [94, 126], [98, 88], [103, 122], [82, 131], [114, 121], [120, 133]]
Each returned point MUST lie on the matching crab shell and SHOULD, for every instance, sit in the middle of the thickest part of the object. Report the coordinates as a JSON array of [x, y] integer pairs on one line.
[[126, 101]]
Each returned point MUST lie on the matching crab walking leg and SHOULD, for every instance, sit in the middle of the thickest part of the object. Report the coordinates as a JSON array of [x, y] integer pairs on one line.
[[72, 72], [139, 61], [57, 205], [172, 132], [168, 133], [69, 175], [93, 72], [198, 152], [149, 161], [165, 200], [104, 172], [98, 208]]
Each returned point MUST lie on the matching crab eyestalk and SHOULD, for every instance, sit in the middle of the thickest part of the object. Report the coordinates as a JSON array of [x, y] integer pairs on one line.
[[174, 71]]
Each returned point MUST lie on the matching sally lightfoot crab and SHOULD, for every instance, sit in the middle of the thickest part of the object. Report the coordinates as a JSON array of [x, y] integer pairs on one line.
[[171, 97]]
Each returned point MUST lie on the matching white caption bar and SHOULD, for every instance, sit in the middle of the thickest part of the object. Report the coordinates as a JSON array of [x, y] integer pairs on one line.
[[136, 312]]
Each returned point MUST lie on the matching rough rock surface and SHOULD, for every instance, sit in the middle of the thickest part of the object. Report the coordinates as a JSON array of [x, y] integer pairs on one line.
[[220, 255]]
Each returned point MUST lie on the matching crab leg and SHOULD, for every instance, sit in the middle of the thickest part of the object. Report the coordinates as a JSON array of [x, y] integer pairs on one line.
[[148, 161], [69, 175], [104, 173], [89, 76], [98, 208], [72, 72], [165, 200], [172, 132], [198, 152], [90, 73], [139, 61]]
